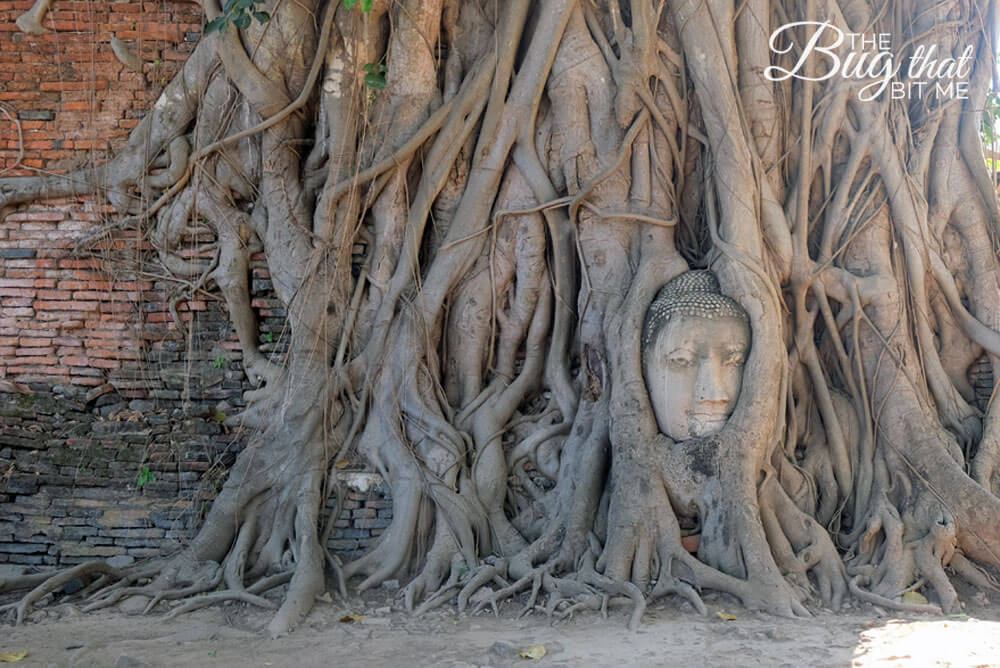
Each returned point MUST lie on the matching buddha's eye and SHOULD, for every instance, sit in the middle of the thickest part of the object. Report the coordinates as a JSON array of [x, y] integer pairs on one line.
[[734, 358], [680, 360]]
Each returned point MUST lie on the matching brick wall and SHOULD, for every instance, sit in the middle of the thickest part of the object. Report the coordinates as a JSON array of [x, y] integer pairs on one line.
[[73, 99], [84, 478], [111, 404]]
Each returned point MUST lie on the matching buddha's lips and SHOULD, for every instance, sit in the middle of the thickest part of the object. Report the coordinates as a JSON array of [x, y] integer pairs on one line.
[[709, 416]]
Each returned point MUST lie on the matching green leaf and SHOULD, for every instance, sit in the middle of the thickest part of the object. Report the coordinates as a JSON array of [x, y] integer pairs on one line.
[[242, 21], [350, 3], [366, 5], [145, 476], [262, 17], [376, 81], [217, 24]]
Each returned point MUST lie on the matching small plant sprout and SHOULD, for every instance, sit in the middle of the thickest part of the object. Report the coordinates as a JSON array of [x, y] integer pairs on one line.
[[145, 476], [237, 12]]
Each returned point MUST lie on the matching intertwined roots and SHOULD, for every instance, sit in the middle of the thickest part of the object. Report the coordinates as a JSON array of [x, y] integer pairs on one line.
[[528, 179]]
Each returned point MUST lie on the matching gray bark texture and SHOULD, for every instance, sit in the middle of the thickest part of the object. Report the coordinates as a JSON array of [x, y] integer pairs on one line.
[[529, 177]]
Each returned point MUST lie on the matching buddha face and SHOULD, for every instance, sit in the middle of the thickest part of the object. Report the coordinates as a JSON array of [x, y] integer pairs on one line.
[[693, 370]]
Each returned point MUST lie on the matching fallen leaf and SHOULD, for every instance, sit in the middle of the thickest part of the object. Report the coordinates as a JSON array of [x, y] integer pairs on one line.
[[11, 657], [726, 616], [533, 652], [914, 597], [347, 619], [341, 464]]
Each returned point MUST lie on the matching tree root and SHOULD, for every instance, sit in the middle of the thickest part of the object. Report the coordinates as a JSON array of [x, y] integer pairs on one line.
[[30, 22], [24, 606], [855, 584], [205, 600]]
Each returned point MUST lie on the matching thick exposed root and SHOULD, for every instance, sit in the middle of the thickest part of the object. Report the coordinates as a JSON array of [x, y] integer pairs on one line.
[[30, 22], [54, 582]]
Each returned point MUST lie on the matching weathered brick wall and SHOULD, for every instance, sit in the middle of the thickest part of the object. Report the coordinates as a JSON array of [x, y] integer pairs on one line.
[[76, 485], [119, 384], [73, 98]]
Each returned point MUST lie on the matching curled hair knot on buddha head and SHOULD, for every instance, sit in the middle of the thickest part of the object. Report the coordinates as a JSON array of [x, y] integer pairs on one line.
[[694, 293]]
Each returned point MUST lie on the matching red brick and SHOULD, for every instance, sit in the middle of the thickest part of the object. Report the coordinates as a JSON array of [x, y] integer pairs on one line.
[[41, 359], [94, 295], [32, 342], [54, 294], [38, 368], [84, 285], [16, 292], [72, 85], [66, 306], [67, 341], [34, 352], [53, 216]]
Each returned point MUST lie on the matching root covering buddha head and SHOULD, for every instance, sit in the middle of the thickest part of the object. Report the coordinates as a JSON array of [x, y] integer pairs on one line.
[[694, 344]]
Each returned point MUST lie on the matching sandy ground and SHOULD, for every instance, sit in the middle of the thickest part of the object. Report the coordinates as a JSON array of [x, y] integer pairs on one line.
[[670, 635]]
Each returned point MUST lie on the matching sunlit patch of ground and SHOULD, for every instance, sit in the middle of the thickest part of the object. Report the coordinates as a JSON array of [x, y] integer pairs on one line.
[[955, 641]]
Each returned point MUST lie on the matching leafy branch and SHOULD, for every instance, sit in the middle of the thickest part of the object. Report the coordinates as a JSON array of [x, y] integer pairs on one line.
[[237, 12], [374, 74]]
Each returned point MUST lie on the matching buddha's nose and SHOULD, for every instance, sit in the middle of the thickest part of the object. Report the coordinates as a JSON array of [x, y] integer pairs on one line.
[[709, 388]]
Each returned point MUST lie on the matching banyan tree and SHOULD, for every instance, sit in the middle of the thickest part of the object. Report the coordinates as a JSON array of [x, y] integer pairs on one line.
[[634, 271]]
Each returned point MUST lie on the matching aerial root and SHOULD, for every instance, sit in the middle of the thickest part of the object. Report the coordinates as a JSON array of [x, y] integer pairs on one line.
[[443, 593], [218, 597], [875, 599], [536, 585], [251, 594], [30, 22], [337, 568], [23, 581], [486, 573], [49, 585], [614, 587], [673, 585], [586, 590], [972, 573], [509, 591]]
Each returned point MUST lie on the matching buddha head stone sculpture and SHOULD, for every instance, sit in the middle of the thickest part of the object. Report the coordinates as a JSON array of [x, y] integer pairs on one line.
[[694, 344]]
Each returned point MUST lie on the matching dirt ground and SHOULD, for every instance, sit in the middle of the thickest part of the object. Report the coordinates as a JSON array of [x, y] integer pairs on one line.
[[671, 634]]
